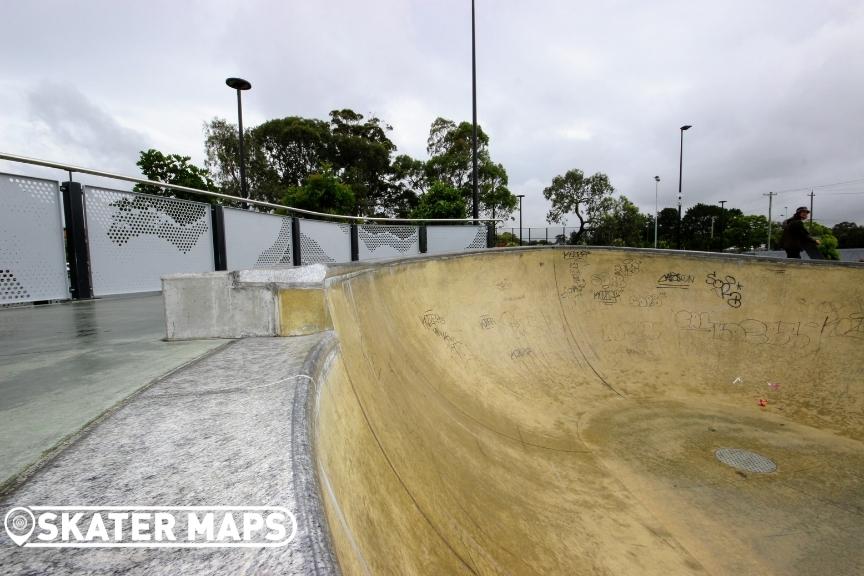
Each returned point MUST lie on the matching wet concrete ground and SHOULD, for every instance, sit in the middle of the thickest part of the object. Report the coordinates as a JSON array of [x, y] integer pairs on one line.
[[227, 430], [63, 365]]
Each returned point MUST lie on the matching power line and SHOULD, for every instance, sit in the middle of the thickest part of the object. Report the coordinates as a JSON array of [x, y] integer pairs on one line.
[[805, 188]]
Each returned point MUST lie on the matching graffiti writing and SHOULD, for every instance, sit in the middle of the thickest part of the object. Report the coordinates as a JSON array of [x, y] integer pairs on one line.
[[649, 301], [675, 280], [575, 254], [750, 330], [521, 353], [487, 322], [607, 296], [435, 324], [727, 288]]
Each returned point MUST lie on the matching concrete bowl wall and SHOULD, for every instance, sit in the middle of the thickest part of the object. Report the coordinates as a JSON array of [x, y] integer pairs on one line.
[[557, 411]]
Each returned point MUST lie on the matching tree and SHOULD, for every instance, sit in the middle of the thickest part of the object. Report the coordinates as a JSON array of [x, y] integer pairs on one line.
[[283, 153], [440, 201], [450, 150], [321, 193], [406, 183], [361, 154], [849, 235], [667, 227], [222, 146], [621, 225], [590, 198], [702, 226], [745, 232], [174, 169]]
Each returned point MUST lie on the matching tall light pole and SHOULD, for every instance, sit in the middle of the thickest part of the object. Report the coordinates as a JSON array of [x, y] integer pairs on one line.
[[520, 196], [656, 206], [680, 169], [475, 211], [239, 85]]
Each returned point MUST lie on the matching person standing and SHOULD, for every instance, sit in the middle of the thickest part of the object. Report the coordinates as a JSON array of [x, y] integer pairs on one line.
[[796, 238]]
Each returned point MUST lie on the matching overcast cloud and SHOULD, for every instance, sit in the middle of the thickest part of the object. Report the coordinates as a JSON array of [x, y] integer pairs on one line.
[[773, 89]]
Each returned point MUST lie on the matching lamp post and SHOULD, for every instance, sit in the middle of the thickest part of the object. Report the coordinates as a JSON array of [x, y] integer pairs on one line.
[[656, 207], [239, 85], [475, 210], [680, 169], [520, 196]]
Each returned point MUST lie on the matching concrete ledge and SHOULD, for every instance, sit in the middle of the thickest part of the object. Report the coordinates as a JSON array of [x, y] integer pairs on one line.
[[244, 303]]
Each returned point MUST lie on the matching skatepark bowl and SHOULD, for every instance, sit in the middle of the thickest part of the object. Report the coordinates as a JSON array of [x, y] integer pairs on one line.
[[594, 411]]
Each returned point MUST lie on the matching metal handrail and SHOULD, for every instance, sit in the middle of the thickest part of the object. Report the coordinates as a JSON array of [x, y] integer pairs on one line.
[[70, 168]]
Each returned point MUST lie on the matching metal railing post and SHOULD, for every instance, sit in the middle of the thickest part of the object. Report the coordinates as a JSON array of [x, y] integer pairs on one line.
[[77, 251], [423, 240], [220, 254]]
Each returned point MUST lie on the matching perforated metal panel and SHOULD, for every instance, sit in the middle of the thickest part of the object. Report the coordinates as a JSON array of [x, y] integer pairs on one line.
[[32, 258], [324, 242], [382, 241], [256, 240], [135, 239], [454, 238]]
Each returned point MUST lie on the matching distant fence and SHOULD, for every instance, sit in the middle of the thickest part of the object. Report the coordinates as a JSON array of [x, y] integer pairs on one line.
[[549, 235], [66, 241]]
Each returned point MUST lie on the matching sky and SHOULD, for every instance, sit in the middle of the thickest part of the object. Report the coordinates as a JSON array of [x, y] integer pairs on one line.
[[773, 89]]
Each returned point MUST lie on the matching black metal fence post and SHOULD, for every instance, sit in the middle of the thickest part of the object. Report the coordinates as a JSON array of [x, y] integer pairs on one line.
[[220, 254], [355, 243], [77, 252], [423, 240], [296, 251]]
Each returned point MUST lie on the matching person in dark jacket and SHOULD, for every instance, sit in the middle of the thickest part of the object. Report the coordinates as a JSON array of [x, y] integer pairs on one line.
[[796, 237]]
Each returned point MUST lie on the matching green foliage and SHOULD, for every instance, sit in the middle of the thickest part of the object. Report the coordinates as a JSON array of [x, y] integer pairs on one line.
[[621, 225], [451, 161], [703, 225], [828, 247], [440, 201], [321, 193], [745, 232], [589, 198], [174, 169], [667, 225], [827, 241], [507, 239], [849, 235]]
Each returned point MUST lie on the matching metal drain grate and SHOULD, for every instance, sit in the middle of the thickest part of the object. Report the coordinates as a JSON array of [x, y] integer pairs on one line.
[[745, 460]]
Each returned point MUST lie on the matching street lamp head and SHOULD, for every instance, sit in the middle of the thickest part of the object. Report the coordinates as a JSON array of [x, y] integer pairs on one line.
[[656, 178], [238, 83], [520, 196], [686, 127]]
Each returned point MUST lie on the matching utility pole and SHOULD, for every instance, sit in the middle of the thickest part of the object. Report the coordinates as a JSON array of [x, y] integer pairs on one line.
[[722, 221], [811, 208], [770, 196]]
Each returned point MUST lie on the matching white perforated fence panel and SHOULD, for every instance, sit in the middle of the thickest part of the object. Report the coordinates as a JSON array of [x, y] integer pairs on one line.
[[32, 255], [383, 241], [323, 242], [135, 239], [454, 238], [256, 240]]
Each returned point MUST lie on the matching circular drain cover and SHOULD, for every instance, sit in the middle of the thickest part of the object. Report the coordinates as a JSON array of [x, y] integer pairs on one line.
[[745, 460]]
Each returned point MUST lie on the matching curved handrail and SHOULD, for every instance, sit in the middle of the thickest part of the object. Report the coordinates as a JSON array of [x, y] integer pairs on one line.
[[70, 168]]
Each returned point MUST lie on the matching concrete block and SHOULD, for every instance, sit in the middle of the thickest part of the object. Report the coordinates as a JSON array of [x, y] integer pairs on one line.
[[215, 305]]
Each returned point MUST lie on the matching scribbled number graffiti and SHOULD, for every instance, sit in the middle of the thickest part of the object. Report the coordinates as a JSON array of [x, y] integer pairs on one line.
[[727, 288]]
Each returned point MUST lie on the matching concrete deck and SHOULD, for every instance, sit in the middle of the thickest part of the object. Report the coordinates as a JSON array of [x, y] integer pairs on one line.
[[63, 365], [229, 429]]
